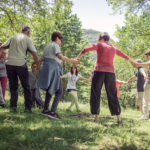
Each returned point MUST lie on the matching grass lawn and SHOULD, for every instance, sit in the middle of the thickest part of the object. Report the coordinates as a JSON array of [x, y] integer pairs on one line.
[[23, 131]]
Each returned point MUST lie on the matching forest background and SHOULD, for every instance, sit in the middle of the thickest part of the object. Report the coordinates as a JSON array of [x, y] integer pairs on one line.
[[47, 16]]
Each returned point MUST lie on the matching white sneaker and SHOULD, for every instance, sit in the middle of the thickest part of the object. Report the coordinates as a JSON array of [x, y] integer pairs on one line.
[[143, 117]]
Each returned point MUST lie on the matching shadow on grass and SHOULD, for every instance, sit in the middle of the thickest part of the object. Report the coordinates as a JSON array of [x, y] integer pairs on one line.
[[23, 131]]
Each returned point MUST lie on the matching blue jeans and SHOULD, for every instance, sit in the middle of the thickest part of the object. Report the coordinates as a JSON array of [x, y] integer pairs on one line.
[[109, 80]]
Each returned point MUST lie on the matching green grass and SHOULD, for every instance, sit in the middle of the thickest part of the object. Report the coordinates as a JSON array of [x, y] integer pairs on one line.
[[23, 131]]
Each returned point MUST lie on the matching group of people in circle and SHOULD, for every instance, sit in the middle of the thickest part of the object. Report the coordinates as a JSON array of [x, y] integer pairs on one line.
[[47, 74]]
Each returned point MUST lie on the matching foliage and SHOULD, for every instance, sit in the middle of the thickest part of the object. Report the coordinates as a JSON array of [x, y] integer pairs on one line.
[[130, 6], [133, 39], [45, 17], [91, 35]]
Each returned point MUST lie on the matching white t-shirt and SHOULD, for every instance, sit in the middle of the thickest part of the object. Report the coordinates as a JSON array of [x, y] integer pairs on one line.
[[72, 79], [18, 46], [51, 50]]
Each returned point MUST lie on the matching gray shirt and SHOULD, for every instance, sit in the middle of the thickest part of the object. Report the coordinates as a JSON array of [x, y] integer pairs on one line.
[[18, 46], [3, 69], [51, 50], [32, 80], [140, 79]]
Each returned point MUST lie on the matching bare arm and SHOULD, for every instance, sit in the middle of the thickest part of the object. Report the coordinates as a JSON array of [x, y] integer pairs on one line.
[[87, 49], [132, 78], [122, 82], [35, 57], [83, 78], [64, 58], [64, 76], [144, 64], [144, 75]]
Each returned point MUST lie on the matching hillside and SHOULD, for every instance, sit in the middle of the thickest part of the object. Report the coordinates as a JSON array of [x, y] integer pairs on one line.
[[91, 35]]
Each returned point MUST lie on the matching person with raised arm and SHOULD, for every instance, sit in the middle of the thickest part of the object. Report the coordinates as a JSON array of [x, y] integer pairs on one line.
[[104, 73], [50, 72]]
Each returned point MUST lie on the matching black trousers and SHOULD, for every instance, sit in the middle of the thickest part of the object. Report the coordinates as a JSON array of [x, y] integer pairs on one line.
[[21, 72], [109, 80], [58, 96]]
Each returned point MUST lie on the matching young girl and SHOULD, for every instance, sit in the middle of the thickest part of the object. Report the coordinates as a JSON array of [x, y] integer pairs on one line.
[[73, 76]]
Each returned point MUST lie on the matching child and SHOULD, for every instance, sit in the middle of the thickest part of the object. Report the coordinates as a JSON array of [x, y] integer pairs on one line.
[[73, 76], [3, 78], [117, 86], [35, 91], [141, 77]]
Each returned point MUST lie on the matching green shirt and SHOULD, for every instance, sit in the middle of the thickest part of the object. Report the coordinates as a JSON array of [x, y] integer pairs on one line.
[[18, 46]]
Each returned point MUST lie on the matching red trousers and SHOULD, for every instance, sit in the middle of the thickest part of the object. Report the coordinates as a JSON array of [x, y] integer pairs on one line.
[[3, 81]]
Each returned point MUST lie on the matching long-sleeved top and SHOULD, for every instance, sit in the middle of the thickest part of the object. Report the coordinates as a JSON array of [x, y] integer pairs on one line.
[[105, 56]]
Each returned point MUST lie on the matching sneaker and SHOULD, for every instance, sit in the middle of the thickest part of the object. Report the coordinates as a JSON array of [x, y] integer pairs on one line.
[[13, 109], [27, 110], [45, 113], [54, 115]]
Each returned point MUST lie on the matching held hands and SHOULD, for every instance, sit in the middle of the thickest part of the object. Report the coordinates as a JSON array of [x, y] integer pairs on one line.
[[134, 63], [75, 61]]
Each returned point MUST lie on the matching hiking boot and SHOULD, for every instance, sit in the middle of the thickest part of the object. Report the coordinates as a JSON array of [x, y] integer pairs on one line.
[[13, 109], [27, 110]]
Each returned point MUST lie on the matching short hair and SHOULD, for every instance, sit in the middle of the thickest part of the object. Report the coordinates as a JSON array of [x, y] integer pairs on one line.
[[104, 36], [25, 29], [55, 35], [147, 52], [139, 60], [33, 64]]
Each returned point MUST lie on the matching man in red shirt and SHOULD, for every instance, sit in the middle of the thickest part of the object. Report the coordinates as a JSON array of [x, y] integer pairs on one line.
[[104, 73]]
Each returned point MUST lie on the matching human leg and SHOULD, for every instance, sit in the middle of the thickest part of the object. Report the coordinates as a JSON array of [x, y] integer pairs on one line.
[[4, 85], [23, 74], [110, 86], [47, 100], [33, 97], [58, 96], [13, 85], [146, 101], [2, 101], [139, 100], [72, 103], [75, 100], [97, 82], [38, 99]]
